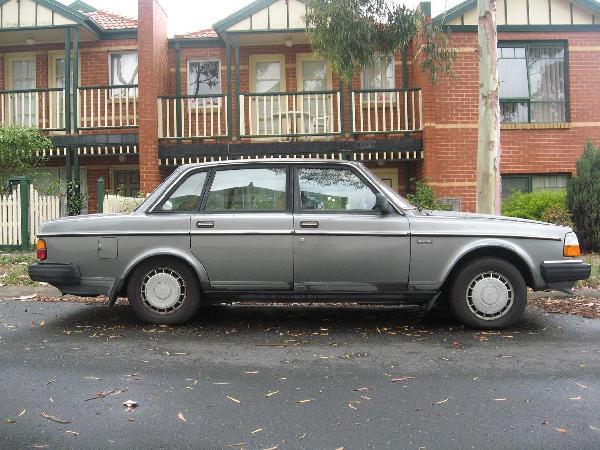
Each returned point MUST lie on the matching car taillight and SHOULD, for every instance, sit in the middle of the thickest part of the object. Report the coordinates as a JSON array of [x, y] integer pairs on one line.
[[40, 250], [571, 247]]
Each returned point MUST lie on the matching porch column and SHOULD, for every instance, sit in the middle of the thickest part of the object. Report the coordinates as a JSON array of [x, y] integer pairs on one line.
[[75, 88], [178, 121], [67, 111], [229, 91], [236, 51]]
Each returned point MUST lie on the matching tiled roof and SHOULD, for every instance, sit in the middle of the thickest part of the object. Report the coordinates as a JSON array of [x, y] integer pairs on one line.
[[111, 21], [206, 33]]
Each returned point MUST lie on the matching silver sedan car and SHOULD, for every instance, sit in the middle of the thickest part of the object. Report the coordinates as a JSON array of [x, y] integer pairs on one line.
[[302, 230]]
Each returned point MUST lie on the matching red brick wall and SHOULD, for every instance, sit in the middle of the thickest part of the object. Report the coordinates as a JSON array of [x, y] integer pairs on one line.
[[153, 81], [450, 137]]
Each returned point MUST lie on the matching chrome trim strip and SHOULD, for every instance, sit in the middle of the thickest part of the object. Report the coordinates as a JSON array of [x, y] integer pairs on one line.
[[119, 233], [352, 233], [243, 232], [508, 236], [564, 261]]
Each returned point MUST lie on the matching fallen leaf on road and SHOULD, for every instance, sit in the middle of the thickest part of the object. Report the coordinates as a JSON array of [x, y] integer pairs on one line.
[[251, 372], [581, 385], [130, 404], [397, 380], [239, 444], [442, 401], [54, 418], [74, 433], [575, 398], [103, 394], [499, 399], [271, 393], [545, 422], [11, 421], [308, 400], [233, 399], [42, 323], [21, 413], [257, 430], [275, 447], [562, 430], [181, 417], [594, 428]]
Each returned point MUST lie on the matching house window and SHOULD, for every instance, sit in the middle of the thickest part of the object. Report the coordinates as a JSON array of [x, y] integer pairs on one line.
[[379, 75], [533, 183], [123, 71], [532, 83], [204, 77]]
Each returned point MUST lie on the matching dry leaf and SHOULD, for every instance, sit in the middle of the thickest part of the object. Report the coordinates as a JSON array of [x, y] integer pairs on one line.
[[257, 430], [130, 404], [575, 398], [233, 399], [396, 380], [42, 323], [308, 400], [74, 433], [11, 421], [499, 399], [251, 372], [364, 388], [275, 447], [270, 394], [103, 394], [442, 401], [562, 430], [21, 413], [54, 418], [181, 417]]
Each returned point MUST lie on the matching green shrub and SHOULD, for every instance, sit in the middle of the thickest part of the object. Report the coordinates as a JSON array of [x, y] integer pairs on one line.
[[583, 197], [534, 204], [558, 215], [424, 197]]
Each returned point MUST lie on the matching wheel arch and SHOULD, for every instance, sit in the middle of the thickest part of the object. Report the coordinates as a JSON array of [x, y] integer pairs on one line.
[[492, 249], [121, 284]]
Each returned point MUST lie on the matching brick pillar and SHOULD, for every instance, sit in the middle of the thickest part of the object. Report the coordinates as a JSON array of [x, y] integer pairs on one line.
[[153, 80]]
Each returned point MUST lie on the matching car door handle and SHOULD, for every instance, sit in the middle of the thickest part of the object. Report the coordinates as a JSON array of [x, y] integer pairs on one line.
[[205, 224], [309, 224]]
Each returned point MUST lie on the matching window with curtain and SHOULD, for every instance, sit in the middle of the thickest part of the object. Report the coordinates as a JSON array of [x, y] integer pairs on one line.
[[123, 70], [532, 83], [204, 77], [379, 75]]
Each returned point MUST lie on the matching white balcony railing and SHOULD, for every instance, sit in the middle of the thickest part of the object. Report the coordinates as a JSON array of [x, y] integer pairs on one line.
[[107, 106], [39, 108], [387, 111], [290, 114], [192, 117]]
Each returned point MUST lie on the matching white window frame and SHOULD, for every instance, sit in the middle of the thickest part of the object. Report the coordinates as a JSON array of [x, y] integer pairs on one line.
[[393, 64], [197, 103], [115, 92]]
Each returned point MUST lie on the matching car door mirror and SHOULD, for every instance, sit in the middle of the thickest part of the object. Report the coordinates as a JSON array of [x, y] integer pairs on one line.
[[382, 204]]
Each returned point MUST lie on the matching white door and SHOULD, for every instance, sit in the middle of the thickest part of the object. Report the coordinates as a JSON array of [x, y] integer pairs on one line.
[[268, 78], [23, 105]]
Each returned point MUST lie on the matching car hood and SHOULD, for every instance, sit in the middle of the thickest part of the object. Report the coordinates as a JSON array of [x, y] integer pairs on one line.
[[452, 222]]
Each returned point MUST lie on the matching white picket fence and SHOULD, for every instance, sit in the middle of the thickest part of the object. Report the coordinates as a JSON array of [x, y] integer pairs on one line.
[[10, 218], [119, 204], [41, 208]]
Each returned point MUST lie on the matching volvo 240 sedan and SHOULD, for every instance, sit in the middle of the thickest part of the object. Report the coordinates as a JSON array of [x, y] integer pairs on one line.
[[302, 230]]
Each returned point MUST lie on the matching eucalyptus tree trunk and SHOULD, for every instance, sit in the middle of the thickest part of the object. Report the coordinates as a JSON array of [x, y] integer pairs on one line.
[[488, 143]]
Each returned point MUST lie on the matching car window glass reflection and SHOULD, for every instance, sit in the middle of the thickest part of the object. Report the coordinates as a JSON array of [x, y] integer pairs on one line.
[[248, 190], [187, 197], [334, 190]]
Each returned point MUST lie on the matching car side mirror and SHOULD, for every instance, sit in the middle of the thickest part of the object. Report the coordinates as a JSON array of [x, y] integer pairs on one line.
[[382, 204]]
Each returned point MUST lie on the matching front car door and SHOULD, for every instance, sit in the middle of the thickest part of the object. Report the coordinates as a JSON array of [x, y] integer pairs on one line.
[[341, 244], [243, 232]]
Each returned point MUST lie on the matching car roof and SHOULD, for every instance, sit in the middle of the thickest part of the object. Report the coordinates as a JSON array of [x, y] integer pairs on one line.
[[235, 162]]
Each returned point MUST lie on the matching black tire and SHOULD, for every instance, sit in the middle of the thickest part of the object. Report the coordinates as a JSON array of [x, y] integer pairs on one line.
[[464, 289], [187, 298]]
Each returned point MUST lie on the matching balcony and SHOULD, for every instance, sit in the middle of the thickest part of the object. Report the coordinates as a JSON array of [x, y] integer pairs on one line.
[[292, 116], [98, 107]]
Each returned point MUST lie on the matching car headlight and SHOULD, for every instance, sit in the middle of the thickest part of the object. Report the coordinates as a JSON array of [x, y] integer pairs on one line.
[[571, 247]]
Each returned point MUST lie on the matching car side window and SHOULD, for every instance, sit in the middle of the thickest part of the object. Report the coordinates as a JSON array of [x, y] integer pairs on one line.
[[336, 190], [259, 189], [187, 196]]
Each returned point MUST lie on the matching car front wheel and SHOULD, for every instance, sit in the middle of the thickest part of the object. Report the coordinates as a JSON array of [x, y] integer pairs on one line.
[[164, 291], [488, 293]]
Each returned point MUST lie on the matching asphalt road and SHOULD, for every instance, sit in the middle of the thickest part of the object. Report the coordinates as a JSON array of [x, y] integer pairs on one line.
[[294, 378]]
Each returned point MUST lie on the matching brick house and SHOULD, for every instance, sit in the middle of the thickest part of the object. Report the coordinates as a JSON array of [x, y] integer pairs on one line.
[[139, 104]]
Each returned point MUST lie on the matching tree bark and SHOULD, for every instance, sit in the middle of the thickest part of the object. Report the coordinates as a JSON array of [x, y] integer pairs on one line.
[[488, 143]]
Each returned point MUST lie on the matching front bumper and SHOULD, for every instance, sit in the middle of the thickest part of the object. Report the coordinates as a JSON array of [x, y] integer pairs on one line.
[[565, 271], [55, 274]]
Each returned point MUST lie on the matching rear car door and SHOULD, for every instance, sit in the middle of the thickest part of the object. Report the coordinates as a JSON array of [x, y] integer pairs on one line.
[[243, 231], [341, 244]]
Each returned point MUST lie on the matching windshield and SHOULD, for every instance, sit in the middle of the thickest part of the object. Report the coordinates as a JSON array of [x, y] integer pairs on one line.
[[404, 204], [150, 198]]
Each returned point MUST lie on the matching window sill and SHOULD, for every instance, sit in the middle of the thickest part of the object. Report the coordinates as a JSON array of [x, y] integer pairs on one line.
[[535, 126]]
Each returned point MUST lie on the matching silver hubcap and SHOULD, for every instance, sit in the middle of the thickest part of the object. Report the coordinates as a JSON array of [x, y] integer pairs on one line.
[[163, 290], [490, 295]]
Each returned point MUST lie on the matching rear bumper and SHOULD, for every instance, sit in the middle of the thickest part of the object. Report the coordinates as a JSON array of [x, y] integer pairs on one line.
[[55, 274], [564, 271]]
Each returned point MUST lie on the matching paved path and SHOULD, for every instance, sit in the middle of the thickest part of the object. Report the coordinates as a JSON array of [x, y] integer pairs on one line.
[[295, 377]]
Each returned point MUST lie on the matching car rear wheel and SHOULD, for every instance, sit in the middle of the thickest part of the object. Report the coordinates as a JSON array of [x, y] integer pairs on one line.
[[164, 291], [488, 293]]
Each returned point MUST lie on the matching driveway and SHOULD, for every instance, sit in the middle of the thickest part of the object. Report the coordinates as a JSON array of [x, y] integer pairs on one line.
[[294, 377]]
